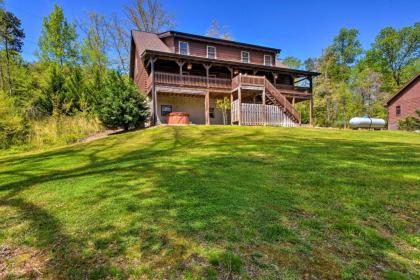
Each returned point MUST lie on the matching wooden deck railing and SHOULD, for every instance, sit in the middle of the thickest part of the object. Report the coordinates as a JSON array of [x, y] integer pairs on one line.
[[241, 80], [292, 89], [189, 81], [282, 100]]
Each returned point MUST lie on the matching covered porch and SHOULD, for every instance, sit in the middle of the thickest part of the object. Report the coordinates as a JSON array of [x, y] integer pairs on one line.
[[205, 79], [200, 106]]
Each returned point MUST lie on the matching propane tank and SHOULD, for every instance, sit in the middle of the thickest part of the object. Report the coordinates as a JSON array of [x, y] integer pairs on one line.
[[367, 122]]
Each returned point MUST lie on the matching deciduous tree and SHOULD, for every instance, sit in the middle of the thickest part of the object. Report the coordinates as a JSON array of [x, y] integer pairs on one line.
[[12, 36], [292, 62], [393, 54], [216, 31], [58, 43], [148, 15]]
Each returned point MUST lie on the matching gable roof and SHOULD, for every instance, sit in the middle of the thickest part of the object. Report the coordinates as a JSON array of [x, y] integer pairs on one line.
[[416, 78], [217, 40], [148, 41]]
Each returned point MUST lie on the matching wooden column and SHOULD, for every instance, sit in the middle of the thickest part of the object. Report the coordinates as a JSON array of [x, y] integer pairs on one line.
[[263, 103], [231, 111], [180, 64], [293, 102], [311, 104], [231, 72], [311, 111], [207, 67], [155, 119], [207, 97], [239, 101], [207, 107]]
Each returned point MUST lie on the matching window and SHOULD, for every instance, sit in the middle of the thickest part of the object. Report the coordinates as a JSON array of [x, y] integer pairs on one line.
[[245, 57], [398, 110], [268, 60], [211, 113], [211, 52], [184, 48], [165, 109]]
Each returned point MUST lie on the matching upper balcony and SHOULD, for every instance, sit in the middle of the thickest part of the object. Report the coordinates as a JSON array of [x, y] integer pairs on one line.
[[218, 84], [189, 81]]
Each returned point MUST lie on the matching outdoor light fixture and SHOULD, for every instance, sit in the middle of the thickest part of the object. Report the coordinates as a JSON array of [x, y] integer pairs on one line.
[[235, 72], [275, 76], [189, 66]]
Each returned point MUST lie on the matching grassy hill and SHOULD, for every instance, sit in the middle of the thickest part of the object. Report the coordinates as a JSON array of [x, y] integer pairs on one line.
[[215, 202]]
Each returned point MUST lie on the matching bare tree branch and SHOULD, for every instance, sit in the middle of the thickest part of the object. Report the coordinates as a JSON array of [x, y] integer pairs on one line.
[[148, 15]]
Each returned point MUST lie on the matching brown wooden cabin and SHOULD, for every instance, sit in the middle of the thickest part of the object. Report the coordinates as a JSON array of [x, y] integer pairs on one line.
[[182, 72]]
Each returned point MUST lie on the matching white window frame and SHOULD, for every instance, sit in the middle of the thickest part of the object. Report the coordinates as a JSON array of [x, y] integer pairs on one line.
[[179, 47], [242, 57], [215, 52], [271, 60]]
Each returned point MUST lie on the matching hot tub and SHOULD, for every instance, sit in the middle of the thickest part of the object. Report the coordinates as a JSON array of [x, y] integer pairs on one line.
[[178, 118]]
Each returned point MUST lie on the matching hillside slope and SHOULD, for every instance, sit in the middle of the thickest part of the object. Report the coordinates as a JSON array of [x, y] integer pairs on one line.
[[215, 202]]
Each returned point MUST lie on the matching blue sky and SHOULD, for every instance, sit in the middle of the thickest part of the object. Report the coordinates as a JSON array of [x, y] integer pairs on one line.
[[300, 28]]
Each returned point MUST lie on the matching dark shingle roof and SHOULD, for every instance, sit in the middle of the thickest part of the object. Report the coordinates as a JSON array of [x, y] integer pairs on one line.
[[148, 41]]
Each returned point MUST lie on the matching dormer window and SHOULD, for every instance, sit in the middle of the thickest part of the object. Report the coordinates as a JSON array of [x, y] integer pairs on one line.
[[184, 48], [268, 60], [211, 52], [245, 57]]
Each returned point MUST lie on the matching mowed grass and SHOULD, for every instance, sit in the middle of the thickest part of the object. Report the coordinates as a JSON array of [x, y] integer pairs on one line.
[[215, 203]]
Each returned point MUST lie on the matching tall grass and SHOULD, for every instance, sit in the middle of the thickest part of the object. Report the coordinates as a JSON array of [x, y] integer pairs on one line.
[[62, 130]]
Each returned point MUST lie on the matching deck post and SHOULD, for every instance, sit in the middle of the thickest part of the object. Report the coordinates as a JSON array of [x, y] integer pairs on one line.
[[311, 104], [155, 119], [207, 67], [231, 111], [231, 72], [239, 101], [263, 103], [180, 64], [207, 97], [311, 111], [207, 107], [293, 102]]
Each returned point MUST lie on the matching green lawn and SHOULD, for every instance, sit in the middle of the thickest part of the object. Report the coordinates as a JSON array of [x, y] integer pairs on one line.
[[215, 202]]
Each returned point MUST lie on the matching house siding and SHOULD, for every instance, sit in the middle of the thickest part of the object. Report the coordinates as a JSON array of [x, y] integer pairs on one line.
[[170, 42], [409, 102], [140, 73], [223, 52]]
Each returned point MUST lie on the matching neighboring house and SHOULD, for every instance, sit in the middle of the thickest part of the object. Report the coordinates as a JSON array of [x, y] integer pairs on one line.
[[404, 103], [182, 72]]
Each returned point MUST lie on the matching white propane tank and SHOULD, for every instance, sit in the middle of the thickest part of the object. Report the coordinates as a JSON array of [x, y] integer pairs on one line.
[[367, 122]]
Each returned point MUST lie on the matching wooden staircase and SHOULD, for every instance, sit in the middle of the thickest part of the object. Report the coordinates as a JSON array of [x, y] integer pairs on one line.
[[273, 95]]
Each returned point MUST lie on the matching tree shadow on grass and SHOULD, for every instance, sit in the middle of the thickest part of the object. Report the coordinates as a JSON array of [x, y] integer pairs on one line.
[[65, 255], [249, 197]]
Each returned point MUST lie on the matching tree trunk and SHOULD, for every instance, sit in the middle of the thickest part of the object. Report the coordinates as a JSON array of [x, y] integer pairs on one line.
[[9, 81], [1, 76]]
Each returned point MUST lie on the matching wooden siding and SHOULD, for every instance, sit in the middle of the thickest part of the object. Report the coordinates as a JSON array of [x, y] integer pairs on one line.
[[409, 102], [169, 41], [223, 52], [140, 73]]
